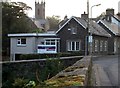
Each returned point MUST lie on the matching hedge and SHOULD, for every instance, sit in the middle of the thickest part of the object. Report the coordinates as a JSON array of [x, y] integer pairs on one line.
[[43, 56]]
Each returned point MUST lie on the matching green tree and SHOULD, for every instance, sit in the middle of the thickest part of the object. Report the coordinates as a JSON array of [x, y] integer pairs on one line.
[[101, 16], [14, 20], [52, 67], [53, 21], [14, 17]]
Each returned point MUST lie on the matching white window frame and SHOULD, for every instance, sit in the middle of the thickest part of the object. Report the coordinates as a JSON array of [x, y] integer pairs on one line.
[[70, 47], [47, 43], [115, 45], [20, 42], [105, 45], [96, 45], [101, 45], [50, 42]]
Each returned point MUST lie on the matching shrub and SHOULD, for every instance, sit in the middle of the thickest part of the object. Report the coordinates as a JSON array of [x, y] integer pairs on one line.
[[29, 56], [20, 83], [52, 67], [43, 56], [36, 56], [23, 83]]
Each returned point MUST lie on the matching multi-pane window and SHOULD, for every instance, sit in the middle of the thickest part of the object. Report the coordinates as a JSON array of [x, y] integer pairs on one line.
[[21, 41], [96, 45], [73, 45], [50, 42], [101, 45], [105, 46]]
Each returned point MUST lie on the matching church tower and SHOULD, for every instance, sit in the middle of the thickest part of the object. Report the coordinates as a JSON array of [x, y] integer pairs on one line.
[[39, 10], [40, 20]]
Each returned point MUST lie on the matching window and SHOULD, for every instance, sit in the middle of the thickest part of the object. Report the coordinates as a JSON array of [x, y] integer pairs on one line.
[[49, 42], [52, 42], [108, 18], [43, 25], [21, 41], [38, 11], [73, 45], [96, 45], [73, 30], [105, 46], [77, 45], [115, 45], [101, 45]]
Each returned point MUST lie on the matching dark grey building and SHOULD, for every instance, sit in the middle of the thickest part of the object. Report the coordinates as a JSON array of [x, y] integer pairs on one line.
[[73, 33], [111, 23]]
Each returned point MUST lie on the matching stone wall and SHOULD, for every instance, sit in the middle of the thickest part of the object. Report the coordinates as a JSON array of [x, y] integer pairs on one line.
[[76, 75], [27, 68]]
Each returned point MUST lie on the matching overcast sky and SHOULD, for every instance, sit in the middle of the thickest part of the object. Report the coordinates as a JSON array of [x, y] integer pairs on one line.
[[72, 7]]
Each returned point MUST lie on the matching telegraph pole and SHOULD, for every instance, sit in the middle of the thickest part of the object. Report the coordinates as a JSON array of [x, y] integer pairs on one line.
[[86, 41]]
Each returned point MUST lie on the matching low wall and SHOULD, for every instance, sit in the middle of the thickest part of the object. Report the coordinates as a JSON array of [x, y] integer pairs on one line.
[[76, 75], [27, 68]]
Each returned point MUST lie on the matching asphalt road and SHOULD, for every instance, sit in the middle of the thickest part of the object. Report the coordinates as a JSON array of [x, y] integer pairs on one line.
[[106, 70]]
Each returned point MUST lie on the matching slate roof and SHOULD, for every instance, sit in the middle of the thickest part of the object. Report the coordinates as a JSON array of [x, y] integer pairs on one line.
[[94, 27], [70, 20], [117, 17], [82, 21], [63, 22], [114, 28], [97, 29]]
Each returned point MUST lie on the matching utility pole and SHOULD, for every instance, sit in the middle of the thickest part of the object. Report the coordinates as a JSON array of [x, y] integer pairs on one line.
[[86, 39]]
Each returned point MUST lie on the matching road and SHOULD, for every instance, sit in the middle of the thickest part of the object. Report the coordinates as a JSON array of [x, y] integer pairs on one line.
[[106, 70]]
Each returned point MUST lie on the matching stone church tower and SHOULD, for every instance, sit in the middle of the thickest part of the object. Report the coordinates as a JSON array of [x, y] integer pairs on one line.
[[39, 10], [40, 20]]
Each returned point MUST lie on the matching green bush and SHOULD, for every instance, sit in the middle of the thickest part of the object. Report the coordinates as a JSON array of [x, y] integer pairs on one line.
[[52, 67], [71, 53], [43, 56], [23, 83], [29, 56], [20, 83], [36, 56]]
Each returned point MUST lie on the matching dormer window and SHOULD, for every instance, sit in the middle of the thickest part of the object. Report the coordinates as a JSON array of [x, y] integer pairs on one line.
[[108, 18]]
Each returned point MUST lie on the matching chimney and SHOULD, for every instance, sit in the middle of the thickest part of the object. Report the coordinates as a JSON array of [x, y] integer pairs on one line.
[[84, 16], [65, 18], [109, 13]]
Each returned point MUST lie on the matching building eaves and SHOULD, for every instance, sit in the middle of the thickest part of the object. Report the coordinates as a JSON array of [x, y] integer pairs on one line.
[[81, 21], [111, 26], [117, 17], [31, 35], [69, 21], [63, 22]]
